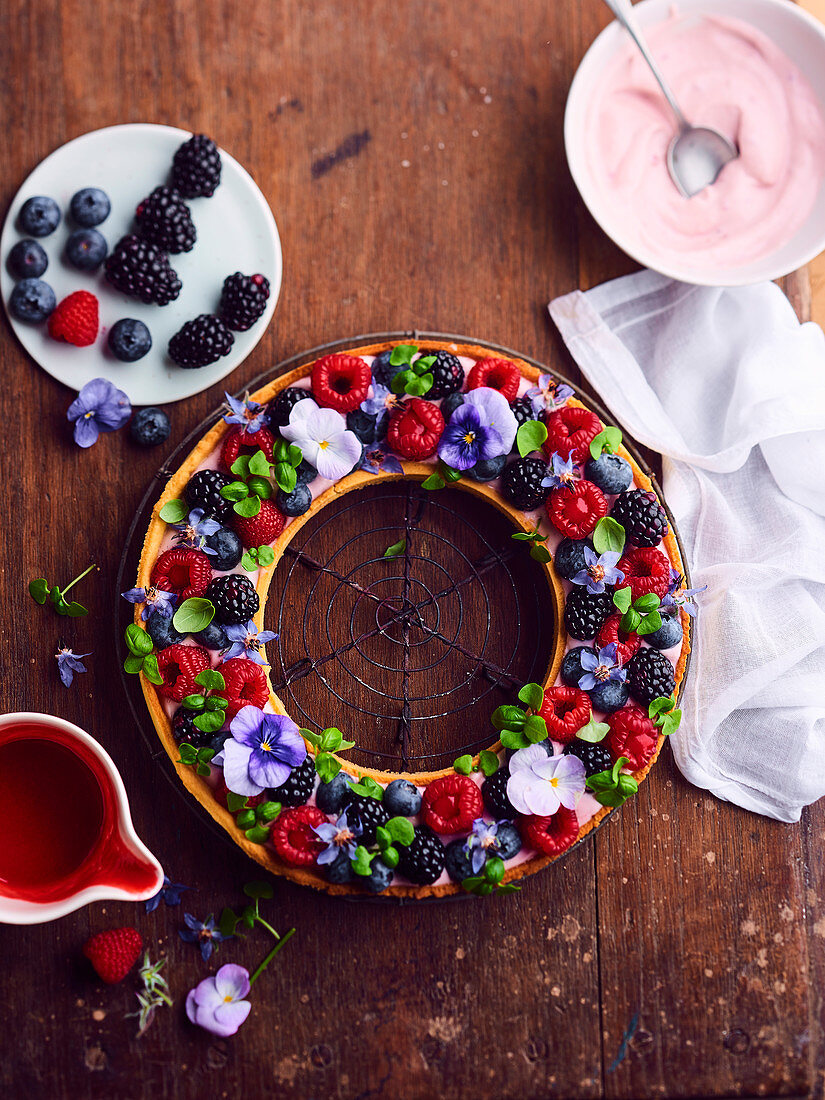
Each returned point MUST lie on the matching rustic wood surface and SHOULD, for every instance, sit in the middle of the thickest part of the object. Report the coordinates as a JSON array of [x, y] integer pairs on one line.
[[413, 156]]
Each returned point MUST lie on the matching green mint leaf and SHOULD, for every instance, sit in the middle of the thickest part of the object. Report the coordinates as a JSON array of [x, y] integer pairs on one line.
[[286, 477], [327, 767], [133, 664], [174, 511], [228, 923], [382, 838], [258, 890], [257, 835], [399, 382], [294, 455], [401, 354], [188, 753], [646, 603], [651, 623], [261, 487], [433, 482], [622, 598], [618, 795], [421, 386], [210, 721], [448, 473], [248, 508], [235, 802], [630, 621], [660, 705], [205, 755], [194, 702], [608, 535], [485, 889], [240, 467], [203, 769], [266, 555], [508, 718], [593, 732], [193, 615], [76, 610], [401, 830], [280, 452], [463, 764], [535, 729], [151, 670], [609, 439], [259, 464], [540, 554], [424, 363], [532, 695], [508, 888], [39, 590], [331, 739], [671, 722], [396, 550], [523, 536], [235, 490], [513, 739], [361, 861], [346, 745], [373, 788], [494, 870], [313, 738], [391, 857], [215, 702], [472, 883], [487, 762], [248, 561], [138, 640], [248, 916], [267, 812], [246, 818], [211, 679], [530, 436]]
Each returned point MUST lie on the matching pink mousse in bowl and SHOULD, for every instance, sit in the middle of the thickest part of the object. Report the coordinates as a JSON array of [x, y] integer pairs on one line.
[[752, 69]]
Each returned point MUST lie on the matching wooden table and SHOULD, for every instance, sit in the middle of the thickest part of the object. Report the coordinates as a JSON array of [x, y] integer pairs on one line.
[[413, 156]]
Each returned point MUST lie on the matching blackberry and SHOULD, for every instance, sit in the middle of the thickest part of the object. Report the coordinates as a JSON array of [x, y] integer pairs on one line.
[[596, 758], [228, 549], [521, 483], [494, 793], [571, 665], [447, 372], [340, 870], [334, 796], [279, 408], [649, 676], [450, 403], [164, 220], [298, 787], [457, 860], [368, 813], [295, 503], [142, 271], [196, 167], [200, 342], [243, 300], [642, 517], [523, 411], [203, 490], [184, 729], [585, 613], [160, 630], [569, 557], [423, 860], [27, 260], [402, 798], [150, 427], [234, 598], [488, 469]]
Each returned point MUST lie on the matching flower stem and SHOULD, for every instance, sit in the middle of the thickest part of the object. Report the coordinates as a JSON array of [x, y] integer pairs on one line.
[[268, 927], [71, 584], [271, 955]]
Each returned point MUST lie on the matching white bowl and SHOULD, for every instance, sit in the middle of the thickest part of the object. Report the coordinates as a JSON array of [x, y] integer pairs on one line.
[[798, 35]]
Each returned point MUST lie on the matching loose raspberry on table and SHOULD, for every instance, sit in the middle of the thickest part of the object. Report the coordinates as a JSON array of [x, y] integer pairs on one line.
[[551, 835], [340, 382], [113, 953], [565, 710], [626, 644], [451, 804], [238, 441], [576, 509], [246, 685], [632, 734], [185, 572], [497, 374], [293, 837], [645, 569], [75, 320], [415, 429], [570, 431], [261, 529], [179, 665]]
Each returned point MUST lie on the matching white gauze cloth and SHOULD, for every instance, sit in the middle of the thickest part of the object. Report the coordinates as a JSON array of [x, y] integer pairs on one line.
[[730, 389]]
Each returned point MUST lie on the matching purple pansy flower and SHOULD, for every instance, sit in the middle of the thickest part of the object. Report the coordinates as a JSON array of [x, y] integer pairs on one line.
[[217, 1004], [599, 571], [196, 531], [99, 407], [247, 641], [248, 414], [203, 933], [481, 842], [677, 597], [598, 670], [539, 784], [154, 598], [68, 663], [170, 892], [564, 473], [467, 439], [378, 460], [339, 837], [383, 401], [262, 751], [495, 412], [548, 395]]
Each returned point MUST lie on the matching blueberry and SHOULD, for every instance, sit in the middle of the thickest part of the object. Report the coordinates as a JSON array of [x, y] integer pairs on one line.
[[332, 797], [569, 559], [39, 216], [509, 840], [306, 472], [611, 473], [402, 798], [228, 550], [129, 340], [219, 740], [295, 503], [27, 260], [368, 428], [86, 249], [488, 470], [358, 460], [379, 877], [571, 665], [149, 427], [90, 206], [457, 860], [161, 631], [668, 634], [340, 870], [450, 404], [609, 696], [382, 370], [31, 300], [212, 637]]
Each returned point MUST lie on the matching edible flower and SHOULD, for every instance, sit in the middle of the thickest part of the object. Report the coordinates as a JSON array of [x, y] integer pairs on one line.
[[548, 395], [196, 531], [467, 439], [495, 413], [263, 750], [324, 439], [481, 843], [382, 403], [539, 784], [170, 892], [248, 414], [218, 1004], [99, 407], [339, 837], [247, 641], [68, 663], [599, 571], [203, 933], [599, 669], [155, 599], [564, 473], [677, 597], [379, 460]]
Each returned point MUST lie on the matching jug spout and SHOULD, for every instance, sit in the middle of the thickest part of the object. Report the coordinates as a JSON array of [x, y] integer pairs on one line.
[[127, 870]]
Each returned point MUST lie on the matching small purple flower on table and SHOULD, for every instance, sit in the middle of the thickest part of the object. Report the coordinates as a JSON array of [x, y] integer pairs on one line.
[[247, 414], [599, 669], [170, 892], [247, 641], [677, 596], [548, 395], [599, 571], [378, 460], [539, 784], [263, 750], [205, 934], [338, 837], [467, 440], [218, 1004], [68, 663], [563, 473], [99, 407], [496, 414], [154, 599], [196, 531], [481, 843]]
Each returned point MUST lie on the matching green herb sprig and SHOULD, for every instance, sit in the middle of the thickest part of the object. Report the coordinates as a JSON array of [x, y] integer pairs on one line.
[[209, 709], [444, 475], [252, 483], [518, 728], [254, 821], [199, 759], [538, 552], [193, 615], [608, 534], [487, 763], [154, 993], [40, 591], [288, 458], [530, 436], [641, 615], [611, 787], [325, 744], [258, 557], [249, 916], [416, 378], [609, 439], [489, 881], [665, 715], [141, 656], [398, 830], [396, 550]]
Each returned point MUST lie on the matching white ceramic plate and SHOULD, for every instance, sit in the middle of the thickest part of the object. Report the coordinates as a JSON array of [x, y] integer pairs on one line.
[[236, 232]]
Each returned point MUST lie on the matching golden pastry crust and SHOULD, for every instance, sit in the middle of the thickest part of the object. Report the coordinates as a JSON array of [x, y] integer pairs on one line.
[[200, 789]]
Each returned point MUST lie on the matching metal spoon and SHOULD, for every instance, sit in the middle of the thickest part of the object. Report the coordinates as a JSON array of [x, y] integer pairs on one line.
[[696, 155]]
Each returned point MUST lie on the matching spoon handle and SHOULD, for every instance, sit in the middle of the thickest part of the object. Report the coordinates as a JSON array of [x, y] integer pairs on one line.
[[623, 10]]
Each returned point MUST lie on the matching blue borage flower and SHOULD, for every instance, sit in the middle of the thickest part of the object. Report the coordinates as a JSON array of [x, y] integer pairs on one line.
[[599, 669], [482, 842], [378, 460], [548, 395], [170, 893], [155, 599], [564, 473], [338, 837], [248, 414], [247, 641], [68, 663], [382, 403], [196, 531], [599, 571], [205, 934], [99, 407], [677, 597]]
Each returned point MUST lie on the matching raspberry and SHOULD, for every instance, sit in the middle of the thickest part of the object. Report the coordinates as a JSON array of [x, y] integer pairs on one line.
[[200, 342], [422, 861], [196, 167], [243, 300], [75, 320], [234, 597], [447, 372], [570, 431], [293, 835], [203, 490], [649, 676], [645, 570], [179, 665], [576, 509], [261, 529], [551, 835], [142, 271], [451, 804], [565, 710], [632, 734], [184, 572], [596, 758], [340, 382], [585, 612], [626, 644], [164, 220], [497, 374], [237, 440], [246, 685], [415, 429], [298, 786], [521, 483], [642, 517], [113, 953]]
